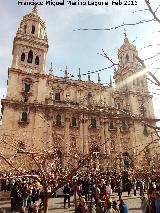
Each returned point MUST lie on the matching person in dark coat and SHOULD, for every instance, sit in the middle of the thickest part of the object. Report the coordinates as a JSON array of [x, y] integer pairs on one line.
[[16, 199], [129, 186], [67, 194], [119, 188]]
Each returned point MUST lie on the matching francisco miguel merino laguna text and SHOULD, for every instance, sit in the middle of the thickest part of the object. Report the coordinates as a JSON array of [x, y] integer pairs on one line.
[[55, 3], [77, 2]]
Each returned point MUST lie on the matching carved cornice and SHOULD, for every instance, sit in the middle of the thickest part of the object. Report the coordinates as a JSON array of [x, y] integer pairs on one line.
[[17, 105]]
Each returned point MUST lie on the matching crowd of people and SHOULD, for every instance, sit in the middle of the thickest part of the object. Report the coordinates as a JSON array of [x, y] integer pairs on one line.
[[26, 194], [93, 191]]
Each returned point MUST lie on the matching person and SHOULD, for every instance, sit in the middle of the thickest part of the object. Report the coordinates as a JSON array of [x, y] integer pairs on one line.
[[16, 201], [134, 186], [67, 192], [157, 202], [115, 206], [108, 207], [79, 189], [42, 196], [119, 188], [129, 186], [33, 208], [141, 185], [144, 204], [123, 207], [35, 194], [24, 192], [99, 207], [82, 207]]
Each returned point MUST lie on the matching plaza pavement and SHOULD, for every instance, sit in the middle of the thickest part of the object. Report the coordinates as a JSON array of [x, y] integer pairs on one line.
[[56, 204]]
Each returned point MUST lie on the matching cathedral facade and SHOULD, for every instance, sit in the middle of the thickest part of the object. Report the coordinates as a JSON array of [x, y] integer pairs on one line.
[[78, 117]]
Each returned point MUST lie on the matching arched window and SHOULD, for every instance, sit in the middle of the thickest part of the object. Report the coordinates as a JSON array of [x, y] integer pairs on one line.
[[111, 125], [25, 28], [74, 122], [37, 60], [33, 29], [112, 145], [124, 126], [57, 96], [24, 117], [59, 154], [58, 120], [145, 130], [127, 58], [25, 100], [133, 57], [22, 56], [30, 56], [93, 123], [27, 87], [118, 105], [73, 142]]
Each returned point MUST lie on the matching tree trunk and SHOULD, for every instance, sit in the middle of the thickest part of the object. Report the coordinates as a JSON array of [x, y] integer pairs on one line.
[[46, 202]]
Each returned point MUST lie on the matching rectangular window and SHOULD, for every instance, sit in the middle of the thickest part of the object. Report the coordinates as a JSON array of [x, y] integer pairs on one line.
[[57, 96], [93, 123]]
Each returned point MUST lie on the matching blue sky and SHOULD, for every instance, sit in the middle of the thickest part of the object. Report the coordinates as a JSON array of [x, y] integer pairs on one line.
[[78, 49]]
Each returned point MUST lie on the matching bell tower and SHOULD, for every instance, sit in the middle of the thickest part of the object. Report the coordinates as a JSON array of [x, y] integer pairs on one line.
[[26, 76], [30, 45], [130, 74]]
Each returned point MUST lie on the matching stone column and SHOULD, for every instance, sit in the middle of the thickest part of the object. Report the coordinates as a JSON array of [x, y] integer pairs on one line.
[[85, 135], [107, 135], [81, 134], [102, 143], [66, 135]]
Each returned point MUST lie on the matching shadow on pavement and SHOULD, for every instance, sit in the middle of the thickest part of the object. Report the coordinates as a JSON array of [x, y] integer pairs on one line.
[[134, 209]]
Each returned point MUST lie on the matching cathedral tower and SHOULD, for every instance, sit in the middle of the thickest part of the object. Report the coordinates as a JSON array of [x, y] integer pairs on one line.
[[25, 85], [30, 44], [130, 73]]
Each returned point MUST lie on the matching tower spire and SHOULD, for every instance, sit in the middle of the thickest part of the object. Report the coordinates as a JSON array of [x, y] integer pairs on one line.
[[51, 70], [110, 81], [125, 37], [99, 79], [34, 10], [66, 73], [79, 75], [89, 76]]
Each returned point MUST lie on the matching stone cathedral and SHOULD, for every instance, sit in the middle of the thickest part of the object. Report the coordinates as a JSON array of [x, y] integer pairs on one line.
[[78, 117]]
